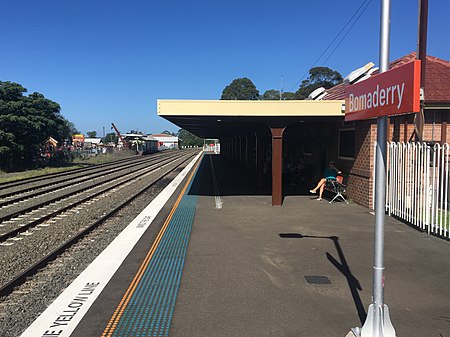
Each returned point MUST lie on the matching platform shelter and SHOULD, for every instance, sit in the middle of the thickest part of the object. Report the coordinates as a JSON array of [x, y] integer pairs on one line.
[[255, 133]]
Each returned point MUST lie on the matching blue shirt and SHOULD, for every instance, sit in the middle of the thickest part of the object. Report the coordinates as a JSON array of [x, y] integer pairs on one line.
[[330, 173]]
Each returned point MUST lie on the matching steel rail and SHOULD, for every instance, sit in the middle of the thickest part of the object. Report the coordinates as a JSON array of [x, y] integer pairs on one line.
[[23, 228], [21, 277], [73, 174], [73, 192], [67, 182], [22, 181]]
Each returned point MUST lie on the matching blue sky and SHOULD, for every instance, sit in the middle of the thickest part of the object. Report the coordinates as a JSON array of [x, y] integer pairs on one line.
[[109, 61]]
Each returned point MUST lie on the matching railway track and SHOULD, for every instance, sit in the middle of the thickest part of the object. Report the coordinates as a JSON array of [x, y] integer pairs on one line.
[[17, 187], [32, 246], [22, 204]]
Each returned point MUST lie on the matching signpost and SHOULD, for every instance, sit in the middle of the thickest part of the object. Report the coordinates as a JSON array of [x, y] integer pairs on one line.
[[391, 92]]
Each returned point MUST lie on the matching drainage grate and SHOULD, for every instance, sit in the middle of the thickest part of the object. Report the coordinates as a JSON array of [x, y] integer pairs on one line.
[[314, 279]]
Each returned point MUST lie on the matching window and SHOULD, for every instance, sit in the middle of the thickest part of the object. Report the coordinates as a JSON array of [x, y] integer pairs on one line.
[[346, 144]]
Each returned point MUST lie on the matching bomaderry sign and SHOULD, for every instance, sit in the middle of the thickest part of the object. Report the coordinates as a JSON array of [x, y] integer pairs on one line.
[[393, 92]]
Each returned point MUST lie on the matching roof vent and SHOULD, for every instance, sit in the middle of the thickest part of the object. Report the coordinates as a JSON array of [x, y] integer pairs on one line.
[[317, 94], [366, 75], [357, 74]]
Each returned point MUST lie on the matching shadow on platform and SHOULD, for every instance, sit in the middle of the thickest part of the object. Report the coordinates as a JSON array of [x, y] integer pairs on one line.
[[219, 176]]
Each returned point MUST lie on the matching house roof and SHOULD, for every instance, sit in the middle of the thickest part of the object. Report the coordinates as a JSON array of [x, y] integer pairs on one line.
[[92, 140], [165, 138], [437, 80], [161, 135]]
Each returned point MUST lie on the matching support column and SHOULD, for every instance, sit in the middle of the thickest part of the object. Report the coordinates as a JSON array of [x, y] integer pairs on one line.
[[277, 166], [444, 119], [405, 129]]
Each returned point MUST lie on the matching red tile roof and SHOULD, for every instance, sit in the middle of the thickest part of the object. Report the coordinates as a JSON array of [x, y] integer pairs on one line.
[[437, 80]]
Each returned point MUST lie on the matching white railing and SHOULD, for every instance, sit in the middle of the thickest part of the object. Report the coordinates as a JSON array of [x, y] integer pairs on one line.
[[418, 185]]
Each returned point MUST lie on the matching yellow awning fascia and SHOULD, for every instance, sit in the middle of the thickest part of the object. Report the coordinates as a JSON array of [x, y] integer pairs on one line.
[[307, 108]]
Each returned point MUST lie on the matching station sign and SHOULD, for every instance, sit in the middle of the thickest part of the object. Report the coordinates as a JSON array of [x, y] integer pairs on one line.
[[394, 92]]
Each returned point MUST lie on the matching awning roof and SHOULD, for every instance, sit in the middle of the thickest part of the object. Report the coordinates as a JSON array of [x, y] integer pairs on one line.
[[217, 118]]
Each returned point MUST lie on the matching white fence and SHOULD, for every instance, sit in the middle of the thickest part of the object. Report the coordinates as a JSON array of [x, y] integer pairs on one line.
[[417, 188]]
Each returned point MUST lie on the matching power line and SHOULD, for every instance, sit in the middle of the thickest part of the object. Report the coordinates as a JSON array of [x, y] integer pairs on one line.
[[347, 32], [365, 2]]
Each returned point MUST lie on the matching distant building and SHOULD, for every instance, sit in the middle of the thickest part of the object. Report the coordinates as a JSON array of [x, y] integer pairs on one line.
[[92, 142], [166, 142], [140, 143], [78, 140]]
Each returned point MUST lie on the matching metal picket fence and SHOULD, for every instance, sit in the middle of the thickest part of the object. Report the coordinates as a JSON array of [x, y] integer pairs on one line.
[[417, 188]]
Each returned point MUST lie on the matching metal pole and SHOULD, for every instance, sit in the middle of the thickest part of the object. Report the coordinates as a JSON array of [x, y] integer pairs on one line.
[[380, 182]]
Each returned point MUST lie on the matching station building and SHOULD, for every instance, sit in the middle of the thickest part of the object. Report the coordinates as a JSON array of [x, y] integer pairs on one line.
[[285, 145]]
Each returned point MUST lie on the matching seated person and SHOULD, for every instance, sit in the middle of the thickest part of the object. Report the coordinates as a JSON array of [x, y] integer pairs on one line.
[[330, 173]]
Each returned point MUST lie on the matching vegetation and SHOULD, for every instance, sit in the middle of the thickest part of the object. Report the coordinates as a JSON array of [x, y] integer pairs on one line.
[[318, 77], [25, 123], [111, 138], [244, 89], [77, 163], [272, 95], [189, 139], [240, 89]]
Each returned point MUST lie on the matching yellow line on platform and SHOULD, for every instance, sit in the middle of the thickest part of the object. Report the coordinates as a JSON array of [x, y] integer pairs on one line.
[[112, 324]]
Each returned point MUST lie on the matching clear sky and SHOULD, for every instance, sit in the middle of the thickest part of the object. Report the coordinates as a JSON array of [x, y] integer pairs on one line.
[[109, 61]]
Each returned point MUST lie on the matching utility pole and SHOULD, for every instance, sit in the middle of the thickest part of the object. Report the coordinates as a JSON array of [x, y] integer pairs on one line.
[[419, 119]]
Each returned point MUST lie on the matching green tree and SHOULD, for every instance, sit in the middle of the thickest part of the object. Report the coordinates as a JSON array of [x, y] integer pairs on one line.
[[111, 138], [273, 95], [167, 132], [288, 95], [189, 139], [240, 89], [318, 77], [25, 123], [91, 134]]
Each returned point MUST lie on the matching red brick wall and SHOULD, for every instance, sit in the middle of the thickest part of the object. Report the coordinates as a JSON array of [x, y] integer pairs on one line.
[[360, 177], [360, 183]]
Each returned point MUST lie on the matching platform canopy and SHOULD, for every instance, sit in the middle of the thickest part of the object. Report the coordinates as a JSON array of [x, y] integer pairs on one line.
[[218, 118]]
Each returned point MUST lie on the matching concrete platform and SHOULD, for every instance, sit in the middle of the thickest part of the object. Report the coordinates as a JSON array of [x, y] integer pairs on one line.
[[248, 265]]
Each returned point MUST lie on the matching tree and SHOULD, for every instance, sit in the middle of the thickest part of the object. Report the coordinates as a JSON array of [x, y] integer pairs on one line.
[[273, 95], [288, 95], [318, 77], [189, 139], [25, 123], [111, 138], [240, 89], [91, 134]]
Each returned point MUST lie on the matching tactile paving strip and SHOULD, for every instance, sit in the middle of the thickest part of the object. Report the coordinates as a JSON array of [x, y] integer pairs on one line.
[[150, 308]]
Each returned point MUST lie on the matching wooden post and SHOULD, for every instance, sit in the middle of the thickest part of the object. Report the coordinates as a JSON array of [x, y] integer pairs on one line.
[[444, 119], [277, 166]]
